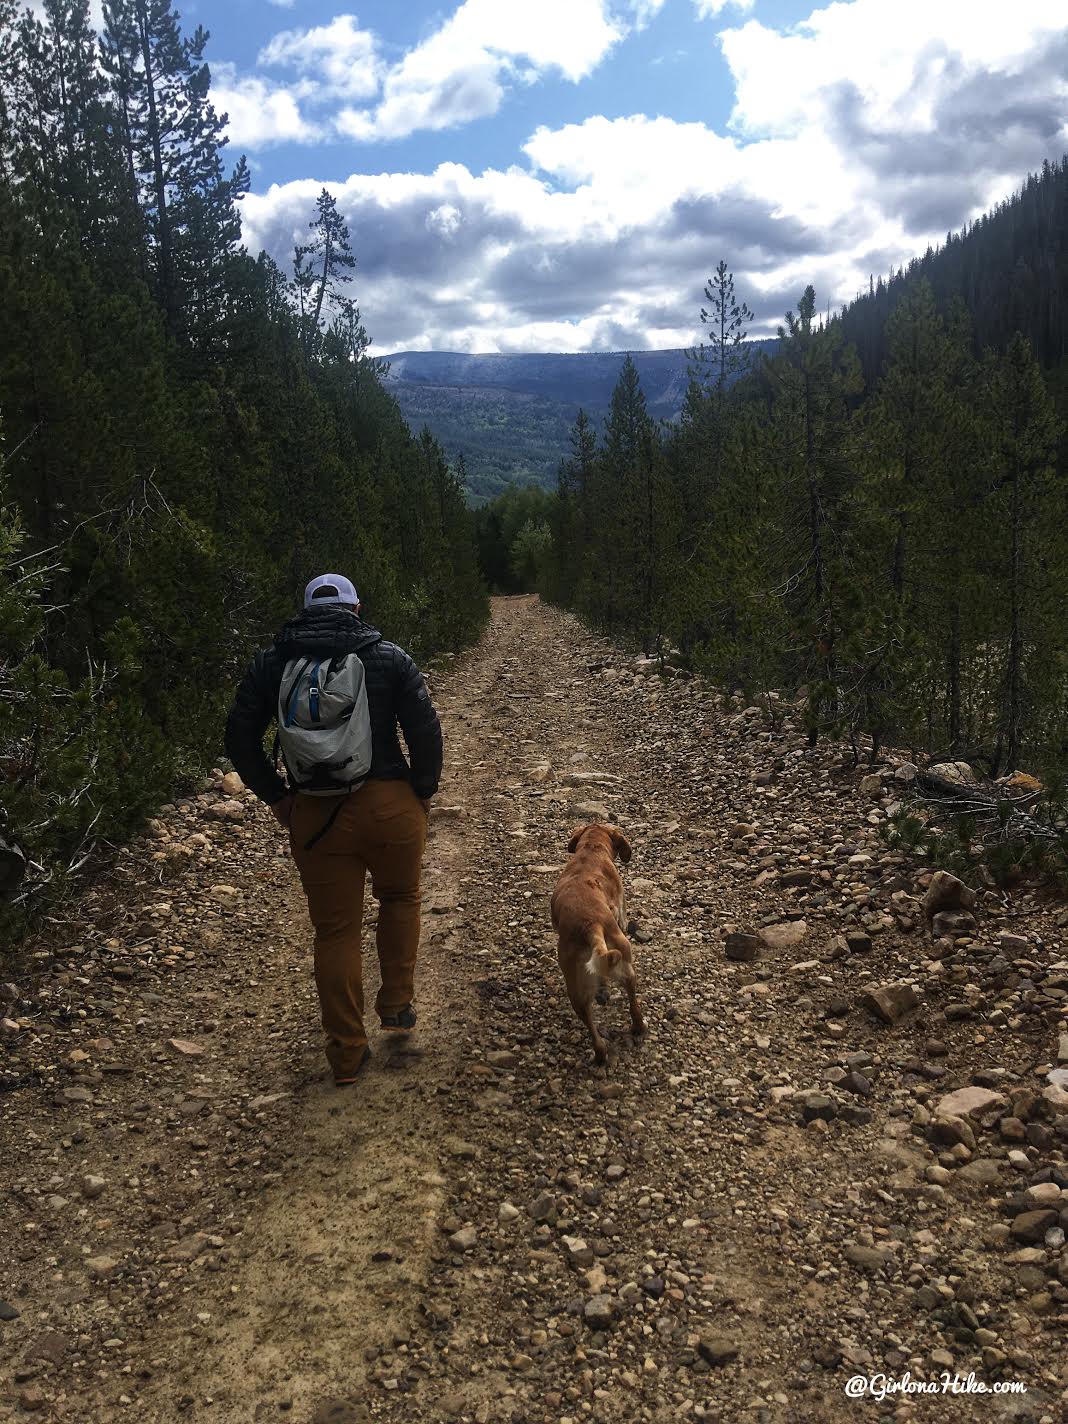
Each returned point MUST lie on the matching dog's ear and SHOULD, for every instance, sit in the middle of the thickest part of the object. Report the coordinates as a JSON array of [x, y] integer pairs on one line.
[[621, 846], [576, 836]]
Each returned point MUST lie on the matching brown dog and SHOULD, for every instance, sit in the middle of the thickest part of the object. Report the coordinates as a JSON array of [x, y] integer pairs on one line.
[[587, 912]]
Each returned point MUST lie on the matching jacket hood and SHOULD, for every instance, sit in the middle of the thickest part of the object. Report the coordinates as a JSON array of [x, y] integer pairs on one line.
[[325, 631]]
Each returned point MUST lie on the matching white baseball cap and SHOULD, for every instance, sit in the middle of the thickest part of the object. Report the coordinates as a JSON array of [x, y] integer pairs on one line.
[[330, 588]]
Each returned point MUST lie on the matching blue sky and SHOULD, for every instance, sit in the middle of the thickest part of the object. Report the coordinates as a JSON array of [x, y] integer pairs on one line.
[[564, 174]]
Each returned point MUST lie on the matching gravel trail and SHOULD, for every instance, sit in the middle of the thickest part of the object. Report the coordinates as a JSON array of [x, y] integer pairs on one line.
[[756, 1203]]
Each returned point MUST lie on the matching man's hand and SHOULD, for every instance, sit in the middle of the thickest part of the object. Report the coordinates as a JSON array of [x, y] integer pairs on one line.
[[283, 810]]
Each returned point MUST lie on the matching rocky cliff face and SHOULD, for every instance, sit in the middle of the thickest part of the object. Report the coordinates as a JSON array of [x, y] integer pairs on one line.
[[509, 415]]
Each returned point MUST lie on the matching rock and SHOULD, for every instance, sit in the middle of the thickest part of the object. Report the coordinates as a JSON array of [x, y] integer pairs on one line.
[[890, 1002], [872, 786], [92, 1187], [959, 772], [186, 1047], [946, 892], [857, 942], [868, 1258], [8, 1311], [818, 1105], [1031, 1226], [466, 1239], [591, 811], [577, 1251], [970, 1102], [232, 785], [227, 811], [31, 1399], [74, 1097], [1043, 1193], [983, 1172], [1062, 1048], [543, 1207], [784, 936], [742, 948], [951, 1132], [502, 1059], [906, 773], [507, 1213], [599, 1312], [951, 923], [101, 1266], [717, 1349], [795, 878]]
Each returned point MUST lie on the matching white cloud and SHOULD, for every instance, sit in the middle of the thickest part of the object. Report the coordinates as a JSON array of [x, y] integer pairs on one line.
[[339, 57], [706, 9], [857, 138], [282, 4], [260, 113], [900, 56], [460, 72], [640, 12]]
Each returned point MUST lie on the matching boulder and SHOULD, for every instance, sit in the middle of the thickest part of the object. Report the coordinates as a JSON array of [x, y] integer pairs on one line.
[[970, 1102], [784, 936], [890, 1002], [742, 948], [946, 892], [959, 772]]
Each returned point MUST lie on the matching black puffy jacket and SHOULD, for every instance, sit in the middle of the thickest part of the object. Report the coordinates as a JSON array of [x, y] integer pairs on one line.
[[396, 693]]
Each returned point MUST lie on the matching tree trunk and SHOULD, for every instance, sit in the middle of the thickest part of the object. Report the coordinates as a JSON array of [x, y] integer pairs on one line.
[[166, 249], [1015, 667]]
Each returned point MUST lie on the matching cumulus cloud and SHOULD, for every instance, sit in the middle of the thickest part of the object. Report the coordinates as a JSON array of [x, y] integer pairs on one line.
[[260, 113], [340, 58], [460, 72], [857, 138]]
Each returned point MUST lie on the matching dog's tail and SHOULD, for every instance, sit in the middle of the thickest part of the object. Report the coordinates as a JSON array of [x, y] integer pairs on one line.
[[603, 957]]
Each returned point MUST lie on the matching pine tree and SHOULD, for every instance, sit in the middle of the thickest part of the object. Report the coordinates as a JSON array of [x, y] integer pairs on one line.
[[319, 269], [726, 319], [1032, 499], [174, 141]]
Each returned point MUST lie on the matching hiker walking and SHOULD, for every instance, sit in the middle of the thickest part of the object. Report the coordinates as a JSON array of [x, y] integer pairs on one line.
[[338, 690]]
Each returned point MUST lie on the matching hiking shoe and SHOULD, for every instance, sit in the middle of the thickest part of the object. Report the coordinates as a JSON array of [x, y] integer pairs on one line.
[[346, 1082], [401, 1021]]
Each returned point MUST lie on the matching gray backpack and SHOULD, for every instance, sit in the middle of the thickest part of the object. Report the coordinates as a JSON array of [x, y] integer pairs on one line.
[[324, 727]]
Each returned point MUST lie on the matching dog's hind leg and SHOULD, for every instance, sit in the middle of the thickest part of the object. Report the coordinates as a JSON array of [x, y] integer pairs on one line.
[[630, 983], [637, 1023], [584, 1009]]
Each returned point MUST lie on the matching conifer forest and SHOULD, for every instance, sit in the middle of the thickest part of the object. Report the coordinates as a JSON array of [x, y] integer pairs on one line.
[[188, 433], [873, 516]]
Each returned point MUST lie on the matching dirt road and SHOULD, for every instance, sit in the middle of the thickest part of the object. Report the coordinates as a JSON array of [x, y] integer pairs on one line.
[[728, 1223]]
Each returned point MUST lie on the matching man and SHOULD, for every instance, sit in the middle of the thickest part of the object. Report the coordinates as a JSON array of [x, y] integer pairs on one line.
[[376, 822]]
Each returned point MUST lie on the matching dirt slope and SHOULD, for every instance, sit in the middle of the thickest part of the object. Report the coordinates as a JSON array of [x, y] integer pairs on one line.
[[736, 1217]]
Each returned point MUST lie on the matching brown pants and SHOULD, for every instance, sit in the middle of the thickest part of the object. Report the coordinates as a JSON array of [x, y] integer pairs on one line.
[[381, 828]]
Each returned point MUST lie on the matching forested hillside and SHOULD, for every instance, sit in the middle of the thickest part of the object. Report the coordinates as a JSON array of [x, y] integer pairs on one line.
[[892, 550], [508, 416], [189, 434]]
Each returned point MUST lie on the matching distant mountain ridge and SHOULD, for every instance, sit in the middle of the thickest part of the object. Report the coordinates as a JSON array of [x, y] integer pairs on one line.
[[510, 415]]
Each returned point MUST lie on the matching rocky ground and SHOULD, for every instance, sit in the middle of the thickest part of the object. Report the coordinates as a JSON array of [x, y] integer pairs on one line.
[[840, 1151]]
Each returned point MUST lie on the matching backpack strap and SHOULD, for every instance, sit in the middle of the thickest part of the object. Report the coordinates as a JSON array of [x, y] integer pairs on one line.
[[323, 829], [290, 709]]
